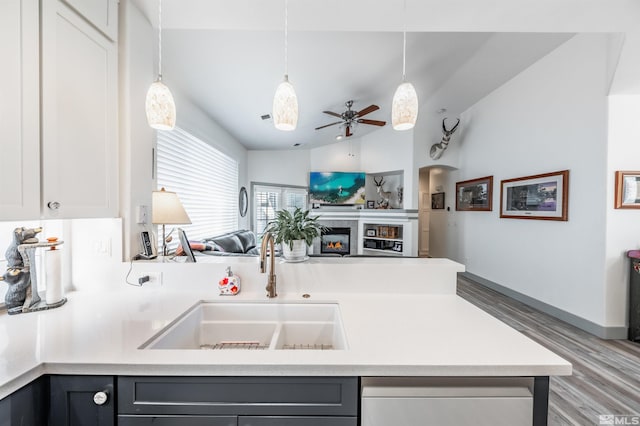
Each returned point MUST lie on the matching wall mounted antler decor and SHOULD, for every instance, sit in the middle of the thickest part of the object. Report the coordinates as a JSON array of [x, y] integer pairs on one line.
[[437, 149], [384, 195]]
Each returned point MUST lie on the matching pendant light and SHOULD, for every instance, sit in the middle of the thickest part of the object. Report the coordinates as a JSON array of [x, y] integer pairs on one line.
[[285, 101], [404, 108], [160, 107]]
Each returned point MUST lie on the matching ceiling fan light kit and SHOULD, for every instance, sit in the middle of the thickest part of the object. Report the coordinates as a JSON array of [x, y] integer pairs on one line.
[[285, 101], [159, 105], [350, 119]]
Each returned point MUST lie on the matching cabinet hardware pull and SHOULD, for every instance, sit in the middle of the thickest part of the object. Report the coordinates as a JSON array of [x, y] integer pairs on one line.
[[101, 398], [53, 205]]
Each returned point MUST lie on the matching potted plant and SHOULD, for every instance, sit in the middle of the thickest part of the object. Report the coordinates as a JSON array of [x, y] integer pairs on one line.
[[295, 231]]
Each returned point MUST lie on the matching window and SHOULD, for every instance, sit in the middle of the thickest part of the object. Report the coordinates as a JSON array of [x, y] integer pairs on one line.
[[205, 179], [268, 199]]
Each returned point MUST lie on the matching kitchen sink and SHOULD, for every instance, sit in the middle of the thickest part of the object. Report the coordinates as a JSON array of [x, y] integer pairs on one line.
[[254, 326]]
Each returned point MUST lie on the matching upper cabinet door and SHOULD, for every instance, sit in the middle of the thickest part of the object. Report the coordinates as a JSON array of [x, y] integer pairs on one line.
[[19, 110], [79, 116], [103, 14]]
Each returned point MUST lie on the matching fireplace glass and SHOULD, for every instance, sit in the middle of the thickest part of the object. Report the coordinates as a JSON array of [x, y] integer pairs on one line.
[[335, 240]]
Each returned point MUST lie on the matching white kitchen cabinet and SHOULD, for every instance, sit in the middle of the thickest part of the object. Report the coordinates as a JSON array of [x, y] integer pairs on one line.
[[79, 116], [103, 14], [19, 110], [58, 110]]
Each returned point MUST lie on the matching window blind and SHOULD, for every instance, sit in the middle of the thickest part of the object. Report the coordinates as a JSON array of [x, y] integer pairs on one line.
[[205, 179], [268, 199]]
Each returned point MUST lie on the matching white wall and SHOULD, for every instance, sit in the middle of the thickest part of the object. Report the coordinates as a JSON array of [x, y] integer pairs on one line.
[[439, 219], [389, 150], [336, 157], [623, 226], [550, 117], [380, 151], [136, 73], [289, 167]]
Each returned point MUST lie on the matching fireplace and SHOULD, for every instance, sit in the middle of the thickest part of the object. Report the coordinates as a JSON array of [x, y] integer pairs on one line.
[[335, 240]]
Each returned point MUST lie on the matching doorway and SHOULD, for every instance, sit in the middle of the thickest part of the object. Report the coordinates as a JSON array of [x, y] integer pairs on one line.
[[435, 213]]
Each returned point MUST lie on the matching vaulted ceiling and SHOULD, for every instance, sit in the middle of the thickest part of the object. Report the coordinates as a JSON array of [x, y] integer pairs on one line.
[[231, 68]]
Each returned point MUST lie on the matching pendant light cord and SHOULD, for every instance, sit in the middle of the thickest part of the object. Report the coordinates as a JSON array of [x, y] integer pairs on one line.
[[159, 40], [286, 38], [404, 39]]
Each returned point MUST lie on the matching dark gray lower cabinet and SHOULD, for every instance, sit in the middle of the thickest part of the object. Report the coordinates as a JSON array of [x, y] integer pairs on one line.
[[177, 421], [81, 401], [297, 421], [235, 421], [26, 406], [242, 401]]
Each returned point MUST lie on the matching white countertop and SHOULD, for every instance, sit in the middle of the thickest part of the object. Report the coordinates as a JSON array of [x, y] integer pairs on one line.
[[389, 334]]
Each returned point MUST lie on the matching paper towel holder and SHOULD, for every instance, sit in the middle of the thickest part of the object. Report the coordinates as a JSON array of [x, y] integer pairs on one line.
[[33, 302]]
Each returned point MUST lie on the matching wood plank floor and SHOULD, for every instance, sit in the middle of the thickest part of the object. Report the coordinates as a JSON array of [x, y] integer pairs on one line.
[[606, 373]]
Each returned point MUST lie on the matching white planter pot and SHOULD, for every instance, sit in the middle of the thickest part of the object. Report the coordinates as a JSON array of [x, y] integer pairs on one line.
[[297, 254]]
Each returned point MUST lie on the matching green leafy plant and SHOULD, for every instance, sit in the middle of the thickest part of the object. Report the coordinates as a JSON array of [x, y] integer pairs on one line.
[[288, 227]]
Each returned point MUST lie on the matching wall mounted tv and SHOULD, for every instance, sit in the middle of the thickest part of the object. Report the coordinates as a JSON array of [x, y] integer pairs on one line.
[[336, 188]]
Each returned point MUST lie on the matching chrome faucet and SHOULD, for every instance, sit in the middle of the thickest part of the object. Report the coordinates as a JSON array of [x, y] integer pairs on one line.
[[267, 238]]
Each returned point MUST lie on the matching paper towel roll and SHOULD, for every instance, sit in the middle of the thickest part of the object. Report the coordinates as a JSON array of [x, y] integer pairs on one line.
[[53, 276]]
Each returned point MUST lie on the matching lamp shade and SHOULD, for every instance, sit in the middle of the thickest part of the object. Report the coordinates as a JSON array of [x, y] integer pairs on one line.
[[404, 108], [166, 209], [160, 107], [285, 106]]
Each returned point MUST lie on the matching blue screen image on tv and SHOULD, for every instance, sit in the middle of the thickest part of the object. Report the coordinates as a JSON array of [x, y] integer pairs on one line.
[[336, 187]]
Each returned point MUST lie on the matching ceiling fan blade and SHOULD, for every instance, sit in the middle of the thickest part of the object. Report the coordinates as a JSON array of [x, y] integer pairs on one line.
[[327, 125], [373, 122], [348, 132], [368, 109], [335, 114]]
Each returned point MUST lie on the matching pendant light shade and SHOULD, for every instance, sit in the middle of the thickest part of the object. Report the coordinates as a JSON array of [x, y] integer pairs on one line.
[[160, 107], [285, 106], [161, 110], [404, 108]]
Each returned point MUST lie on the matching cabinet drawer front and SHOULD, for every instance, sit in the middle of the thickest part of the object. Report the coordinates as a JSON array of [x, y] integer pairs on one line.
[[335, 396], [177, 421], [297, 421]]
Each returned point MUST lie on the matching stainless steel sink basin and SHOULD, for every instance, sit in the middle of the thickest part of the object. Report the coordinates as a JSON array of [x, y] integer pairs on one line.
[[268, 326]]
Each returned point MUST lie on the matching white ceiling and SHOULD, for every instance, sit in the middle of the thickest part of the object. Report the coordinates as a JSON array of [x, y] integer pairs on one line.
[[232, 73]]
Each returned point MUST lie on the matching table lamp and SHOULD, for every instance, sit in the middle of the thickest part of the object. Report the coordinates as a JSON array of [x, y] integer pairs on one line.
[[166, 209]]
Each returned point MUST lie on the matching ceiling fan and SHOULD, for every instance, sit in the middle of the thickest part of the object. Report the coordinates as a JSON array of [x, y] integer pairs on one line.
[[349, 118]]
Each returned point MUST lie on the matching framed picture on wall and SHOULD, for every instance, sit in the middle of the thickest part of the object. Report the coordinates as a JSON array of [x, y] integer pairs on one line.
[[437, 201], [543, 196], [475, 194], [627, 190]]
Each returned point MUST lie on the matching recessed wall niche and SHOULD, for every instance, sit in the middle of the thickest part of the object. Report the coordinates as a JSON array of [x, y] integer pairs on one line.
[[391, 188]]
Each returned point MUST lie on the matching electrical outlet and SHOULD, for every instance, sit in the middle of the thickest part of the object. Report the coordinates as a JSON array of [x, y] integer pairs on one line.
[[155, 279]]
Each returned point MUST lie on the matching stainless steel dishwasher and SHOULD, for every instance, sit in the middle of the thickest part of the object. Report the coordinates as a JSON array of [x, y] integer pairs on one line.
[[447, 401]]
